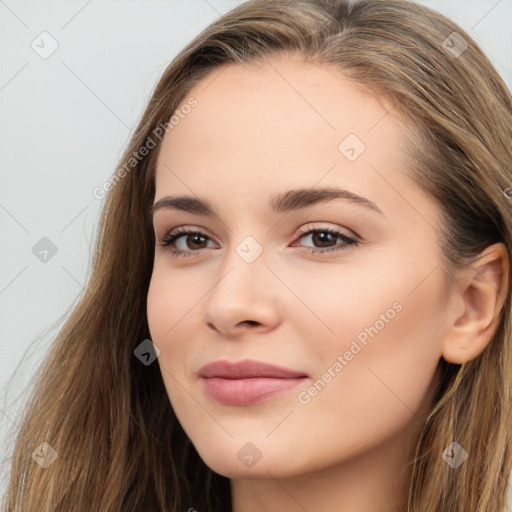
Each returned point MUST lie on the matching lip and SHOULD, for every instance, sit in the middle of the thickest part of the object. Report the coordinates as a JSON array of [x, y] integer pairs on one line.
[[247, 382]]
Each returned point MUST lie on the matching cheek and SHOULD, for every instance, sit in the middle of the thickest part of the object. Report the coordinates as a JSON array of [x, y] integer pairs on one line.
[[158, 307], [171, 302], [173, 314], [385, 354], [164, 311], [386, 333], [386, 385]]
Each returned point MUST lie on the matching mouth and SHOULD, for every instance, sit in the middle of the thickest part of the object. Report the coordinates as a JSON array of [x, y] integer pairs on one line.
[[247, 382]]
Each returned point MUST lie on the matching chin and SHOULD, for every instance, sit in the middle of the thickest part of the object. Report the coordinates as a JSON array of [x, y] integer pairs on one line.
[[238, 459]]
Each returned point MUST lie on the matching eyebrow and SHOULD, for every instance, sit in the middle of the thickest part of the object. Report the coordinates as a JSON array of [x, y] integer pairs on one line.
[[278, 203]]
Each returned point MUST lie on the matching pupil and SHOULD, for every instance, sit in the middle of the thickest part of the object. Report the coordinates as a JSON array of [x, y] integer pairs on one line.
[[323, 238], [195, 237]]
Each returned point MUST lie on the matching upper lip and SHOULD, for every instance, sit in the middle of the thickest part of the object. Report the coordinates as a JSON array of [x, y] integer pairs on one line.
[[246, 369]]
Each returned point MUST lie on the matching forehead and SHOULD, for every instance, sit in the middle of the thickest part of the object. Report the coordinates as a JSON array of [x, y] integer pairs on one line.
[[282, 124], [280, 103]]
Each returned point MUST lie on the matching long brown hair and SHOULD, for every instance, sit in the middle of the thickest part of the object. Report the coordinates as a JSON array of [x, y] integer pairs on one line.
[[107, 415]]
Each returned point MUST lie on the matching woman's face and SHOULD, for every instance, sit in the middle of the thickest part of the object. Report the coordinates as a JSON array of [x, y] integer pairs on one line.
[[359, 326]]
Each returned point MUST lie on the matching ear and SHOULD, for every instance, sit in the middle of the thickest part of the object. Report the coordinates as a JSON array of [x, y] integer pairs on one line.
[[479, 298]]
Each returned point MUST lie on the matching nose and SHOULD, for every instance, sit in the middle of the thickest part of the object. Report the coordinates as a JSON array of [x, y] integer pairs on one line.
[[245, 297]]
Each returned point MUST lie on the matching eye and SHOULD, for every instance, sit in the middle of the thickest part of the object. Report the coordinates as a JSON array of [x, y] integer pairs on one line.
[[171, 238], [322, 236]]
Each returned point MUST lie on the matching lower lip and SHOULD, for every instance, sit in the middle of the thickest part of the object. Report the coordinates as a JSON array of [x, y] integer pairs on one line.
[[247, 391]]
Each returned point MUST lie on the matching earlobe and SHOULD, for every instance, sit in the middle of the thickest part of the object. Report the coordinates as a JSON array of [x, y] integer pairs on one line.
[[483, 290]]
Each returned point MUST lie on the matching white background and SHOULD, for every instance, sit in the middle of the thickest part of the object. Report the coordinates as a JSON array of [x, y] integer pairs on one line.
[[64, 122]]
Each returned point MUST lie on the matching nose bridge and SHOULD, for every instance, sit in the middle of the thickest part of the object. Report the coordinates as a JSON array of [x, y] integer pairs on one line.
[[245, 267], [245, 289]]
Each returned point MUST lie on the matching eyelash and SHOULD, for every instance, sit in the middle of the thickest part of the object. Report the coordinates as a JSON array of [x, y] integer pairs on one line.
[[168, 239]]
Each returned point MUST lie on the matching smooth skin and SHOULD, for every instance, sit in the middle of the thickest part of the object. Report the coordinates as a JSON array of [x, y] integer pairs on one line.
[[262, 129]]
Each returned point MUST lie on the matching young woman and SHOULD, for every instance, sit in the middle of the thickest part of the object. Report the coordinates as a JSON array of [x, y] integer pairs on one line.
[[300, 298]]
